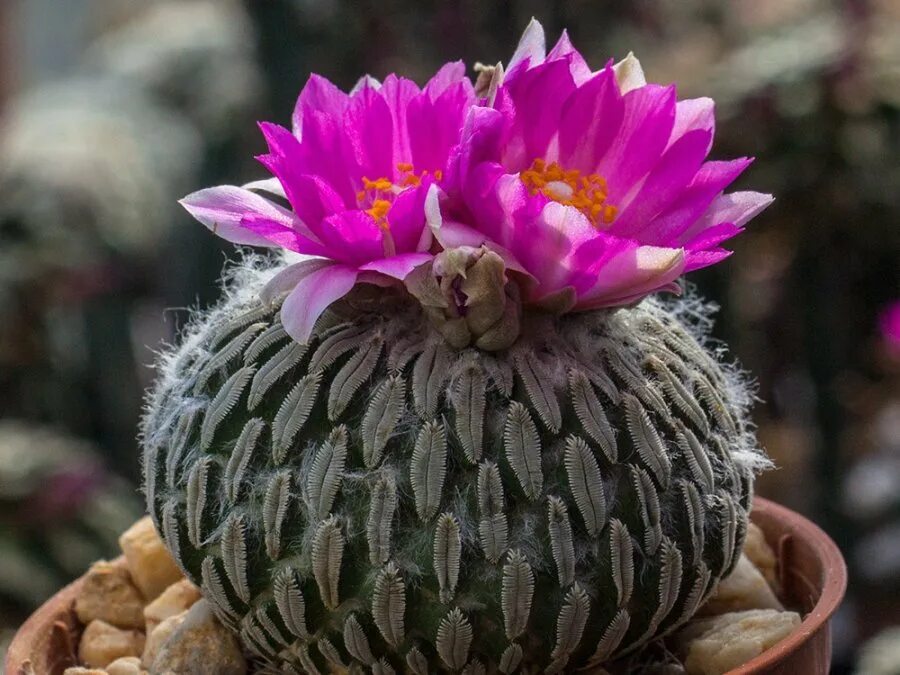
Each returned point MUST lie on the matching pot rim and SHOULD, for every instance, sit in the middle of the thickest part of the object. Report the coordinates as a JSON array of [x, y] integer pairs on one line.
[[58, 613], [832, 592]]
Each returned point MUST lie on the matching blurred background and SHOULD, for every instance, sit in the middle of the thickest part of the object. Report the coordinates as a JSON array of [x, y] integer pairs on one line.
[[110, 110]]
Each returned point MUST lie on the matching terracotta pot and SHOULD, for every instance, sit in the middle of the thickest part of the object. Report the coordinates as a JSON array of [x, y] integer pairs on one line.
[[48, 641], [813, 580], [810, 567]]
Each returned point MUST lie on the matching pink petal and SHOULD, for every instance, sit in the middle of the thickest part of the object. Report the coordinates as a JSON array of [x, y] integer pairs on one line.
[[271, 185], [434, 125], [323, 153], [691, 114], [368, 127], [452, 234], [665, 182], [488, 207], [736, 208], [505, 205], [448, 75], [352, 237], [538, 97], [312, 295], [695, 260], [564, 49], [633, 272], [287, 161], [531, 47], [591, 118], [448, 233], [693, 201], [481, 141], [222, 208], [285, 237], [283, 145], [544, 244], [314, 200], [364, 82], [713, 236], [288, 278], [649, 113], [319, 95], [407, 217], [398, 266], [398, 93]]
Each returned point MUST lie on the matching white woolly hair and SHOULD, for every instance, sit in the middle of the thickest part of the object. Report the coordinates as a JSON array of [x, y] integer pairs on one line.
[[697, 316], [241, 284]]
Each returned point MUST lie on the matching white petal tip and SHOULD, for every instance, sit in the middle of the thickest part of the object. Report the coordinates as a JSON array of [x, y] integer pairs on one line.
[[658, 260], [629, 73], [532, 45]]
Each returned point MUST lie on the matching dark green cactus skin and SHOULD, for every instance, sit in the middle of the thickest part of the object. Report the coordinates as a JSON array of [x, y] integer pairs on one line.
[[377, 499]]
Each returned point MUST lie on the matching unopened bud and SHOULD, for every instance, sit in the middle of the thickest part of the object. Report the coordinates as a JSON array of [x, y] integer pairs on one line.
[[468, 298]]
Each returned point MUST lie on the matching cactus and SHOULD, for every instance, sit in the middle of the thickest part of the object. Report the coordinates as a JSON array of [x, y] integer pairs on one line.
[[459, 437], [377, 496]]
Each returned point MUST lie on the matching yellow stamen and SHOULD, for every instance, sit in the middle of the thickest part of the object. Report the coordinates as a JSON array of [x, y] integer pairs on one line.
[[379, 195], [379, 211], [378, 184], [569, 187]]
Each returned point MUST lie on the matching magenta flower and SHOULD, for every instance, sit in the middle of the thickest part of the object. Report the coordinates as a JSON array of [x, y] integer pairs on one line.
[[889, 322], [595, 183], [356, 171]]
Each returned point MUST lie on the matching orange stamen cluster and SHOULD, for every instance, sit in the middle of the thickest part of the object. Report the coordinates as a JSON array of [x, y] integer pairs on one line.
[[378, 211], [379, 193], [588, 193]]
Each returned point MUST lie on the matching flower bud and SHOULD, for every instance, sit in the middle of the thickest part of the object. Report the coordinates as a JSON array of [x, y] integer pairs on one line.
[[468, 298]]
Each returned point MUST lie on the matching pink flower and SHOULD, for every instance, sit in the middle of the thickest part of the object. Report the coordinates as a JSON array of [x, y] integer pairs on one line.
[[596, 183], [889, 322], [356, 171]]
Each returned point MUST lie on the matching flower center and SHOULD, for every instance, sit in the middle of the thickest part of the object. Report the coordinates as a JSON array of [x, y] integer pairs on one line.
[[586, 193], [378, 195]]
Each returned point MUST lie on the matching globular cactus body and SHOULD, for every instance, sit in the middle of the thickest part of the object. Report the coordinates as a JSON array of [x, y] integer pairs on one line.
[[379, 498]]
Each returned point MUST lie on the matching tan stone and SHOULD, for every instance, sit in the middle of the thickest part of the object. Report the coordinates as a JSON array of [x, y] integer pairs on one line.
[[744, 588], [200, 646], [102, 643], [150, 564], [127, 665], [716, 645], [761, 554], [108, 594], [158, 636], [174, 600], [78, 670]]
